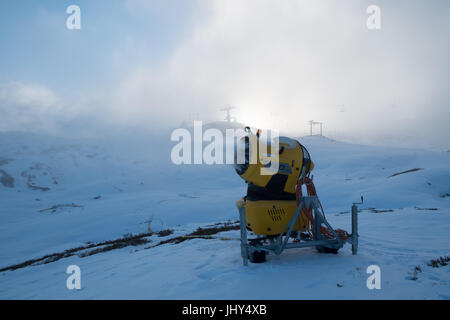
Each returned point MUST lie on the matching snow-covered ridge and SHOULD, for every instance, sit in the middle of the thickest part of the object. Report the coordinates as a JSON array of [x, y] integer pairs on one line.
[[58, 194]]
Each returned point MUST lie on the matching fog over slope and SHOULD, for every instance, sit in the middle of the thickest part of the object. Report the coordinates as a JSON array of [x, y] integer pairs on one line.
[[144, 66]]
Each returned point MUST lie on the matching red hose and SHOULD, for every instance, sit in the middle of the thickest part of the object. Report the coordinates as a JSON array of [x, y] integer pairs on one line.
[[307, 212]]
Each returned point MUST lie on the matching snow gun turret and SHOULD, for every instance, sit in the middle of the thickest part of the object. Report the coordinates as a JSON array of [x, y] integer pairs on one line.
[[274, 208]]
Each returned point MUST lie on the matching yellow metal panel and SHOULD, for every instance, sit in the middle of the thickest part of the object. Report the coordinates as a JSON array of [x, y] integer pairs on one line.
[[266, 217]]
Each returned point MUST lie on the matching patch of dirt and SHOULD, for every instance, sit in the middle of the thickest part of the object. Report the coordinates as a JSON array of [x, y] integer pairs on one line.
[[31, 177], [415, 273], [407, 171], [34, 187], [55, 207], [373, 210], [200, 233], [6, 179], [4, 161], [431, 209], [440, 262], [127, 240], [380, 210], [435, 263], [164, 233]]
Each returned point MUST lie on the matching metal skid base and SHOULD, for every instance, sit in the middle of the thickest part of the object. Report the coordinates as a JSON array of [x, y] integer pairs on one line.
[[277, 244]]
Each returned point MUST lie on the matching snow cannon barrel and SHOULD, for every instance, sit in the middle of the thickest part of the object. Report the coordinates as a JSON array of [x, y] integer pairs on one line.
[[272, 167], [271, 170]]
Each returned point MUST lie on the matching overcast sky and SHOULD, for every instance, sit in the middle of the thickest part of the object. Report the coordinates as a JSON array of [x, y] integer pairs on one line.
[[282, 63]]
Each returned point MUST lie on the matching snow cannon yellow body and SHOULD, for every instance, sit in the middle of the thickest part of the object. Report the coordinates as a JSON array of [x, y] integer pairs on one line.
[[270, 217], [270, 202]]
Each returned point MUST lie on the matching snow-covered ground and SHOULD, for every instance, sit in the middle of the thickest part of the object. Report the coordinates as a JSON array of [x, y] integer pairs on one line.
[[57, 194]]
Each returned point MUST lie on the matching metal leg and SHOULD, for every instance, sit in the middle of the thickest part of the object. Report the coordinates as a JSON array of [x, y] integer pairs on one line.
[[244, 242], [317, 223], [289, 227], [354, 229]]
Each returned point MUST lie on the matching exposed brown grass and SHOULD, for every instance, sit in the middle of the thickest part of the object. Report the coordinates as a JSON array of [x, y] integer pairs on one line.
[[125, 241]]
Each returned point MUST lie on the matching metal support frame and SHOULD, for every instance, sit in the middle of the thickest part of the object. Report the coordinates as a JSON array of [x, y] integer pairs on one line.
[[281, 242], [244, 242], [354, 229], [354, 237], [311, 123]]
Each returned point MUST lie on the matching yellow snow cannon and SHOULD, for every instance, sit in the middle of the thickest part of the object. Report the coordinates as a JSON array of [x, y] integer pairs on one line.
[[275, 209], [271, 193]]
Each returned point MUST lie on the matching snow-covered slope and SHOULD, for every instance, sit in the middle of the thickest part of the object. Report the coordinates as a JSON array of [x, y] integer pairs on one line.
[[57, 194]]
